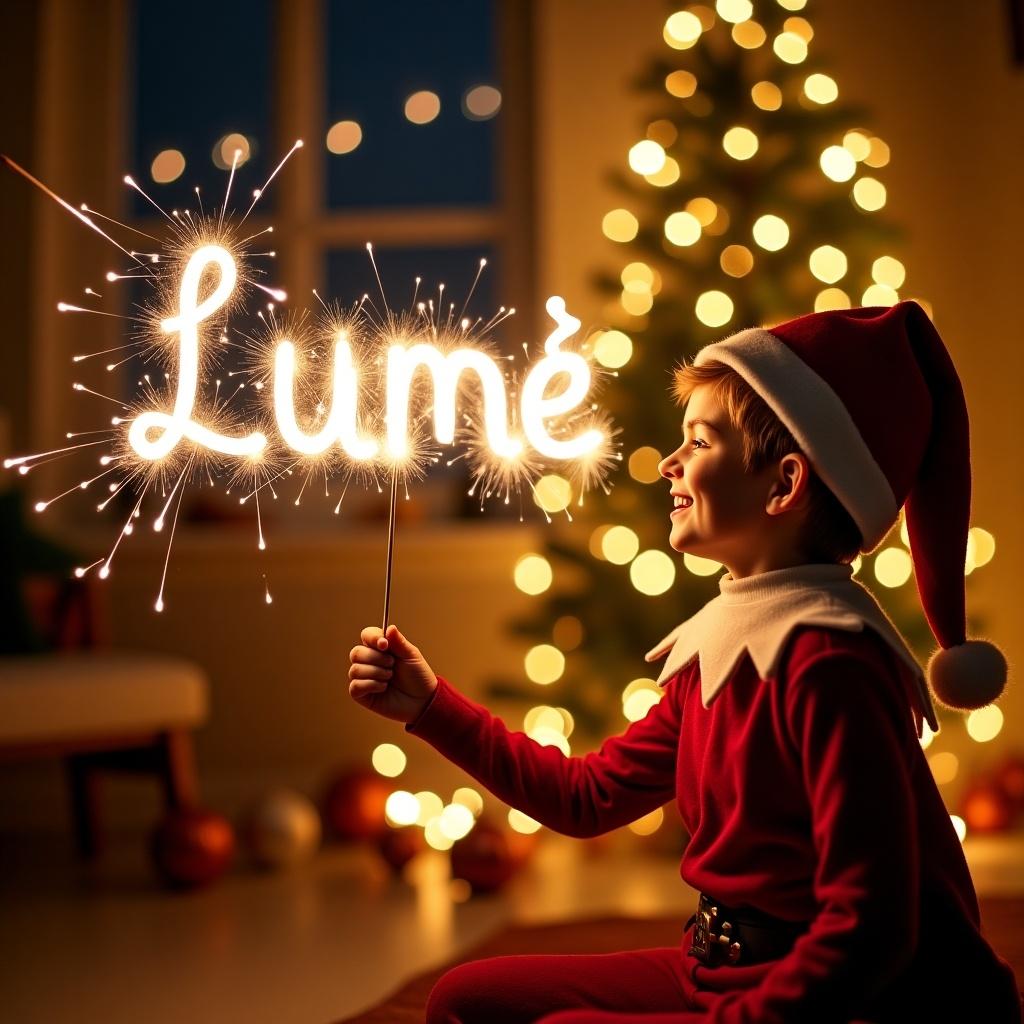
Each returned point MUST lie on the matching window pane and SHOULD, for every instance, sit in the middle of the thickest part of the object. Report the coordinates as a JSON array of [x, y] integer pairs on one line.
[[379, 54], [202, 72]]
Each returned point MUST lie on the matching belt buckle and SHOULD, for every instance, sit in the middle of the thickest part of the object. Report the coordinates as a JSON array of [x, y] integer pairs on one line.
[[706, 942]]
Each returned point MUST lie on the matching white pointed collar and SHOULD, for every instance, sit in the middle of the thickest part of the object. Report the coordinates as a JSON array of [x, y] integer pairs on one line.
[[757, 613]]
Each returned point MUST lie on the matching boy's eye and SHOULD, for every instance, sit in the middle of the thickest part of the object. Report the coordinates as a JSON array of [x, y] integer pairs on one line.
[[698, 441]]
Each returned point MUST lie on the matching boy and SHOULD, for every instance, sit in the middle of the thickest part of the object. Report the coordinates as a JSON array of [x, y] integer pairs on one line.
[[833, 886]]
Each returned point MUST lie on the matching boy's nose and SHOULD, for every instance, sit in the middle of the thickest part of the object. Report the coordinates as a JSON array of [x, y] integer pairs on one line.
[[667, 467]]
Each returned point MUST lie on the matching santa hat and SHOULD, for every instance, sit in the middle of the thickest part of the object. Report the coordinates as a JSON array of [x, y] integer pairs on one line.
[[874, 401]]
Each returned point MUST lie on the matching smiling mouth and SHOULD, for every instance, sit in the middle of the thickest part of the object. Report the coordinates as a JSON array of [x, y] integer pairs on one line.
[[681, 503]]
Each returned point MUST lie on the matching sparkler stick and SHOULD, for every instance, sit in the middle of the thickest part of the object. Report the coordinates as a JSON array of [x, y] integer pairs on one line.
[[391, 546]]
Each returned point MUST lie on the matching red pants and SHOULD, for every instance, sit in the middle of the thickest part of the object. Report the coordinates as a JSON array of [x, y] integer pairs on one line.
[[645, 986]]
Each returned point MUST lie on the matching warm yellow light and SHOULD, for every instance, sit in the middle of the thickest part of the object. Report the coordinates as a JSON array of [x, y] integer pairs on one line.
[[620, 225], [344, 136], [430, 806], [422, 107], [168, 165], [481, 102], [636, 303], [714, 308], [740, 143], [734, 10], [552, 492], [469, 797], [869, 194], [643, 465], [828, 263], [879, 295], [620, 545], [926, 736], [613, 349], [893, 567], [858, 144], [981, 545], [533, 574], [388, 759], [984, 723], [663, 131], [944, 765], [638, 703], [837, 163], [800, 27], [544, 664], [749, 35], [225, 148], [519, 822], [652, 572], [596, 542], [792, 5], [736, 260], [401, 807], [766, 95], [959, 826], [649, 823], [820, 88], [889, 271], [771, 232], [637, 277], [704, 209], [831, 298], [434, 837], [668, 175], [701, 566], [879, 155], [567, 632], [681, 84], [789, 47], [456, 821], [542, 717], [682, 30], [647, 157], [682, 228]]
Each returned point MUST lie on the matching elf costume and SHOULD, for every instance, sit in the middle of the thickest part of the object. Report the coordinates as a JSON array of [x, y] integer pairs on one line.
[[833, 885]]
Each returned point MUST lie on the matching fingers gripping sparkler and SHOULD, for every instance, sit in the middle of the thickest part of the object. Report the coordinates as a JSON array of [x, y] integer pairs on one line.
[[360, 395]]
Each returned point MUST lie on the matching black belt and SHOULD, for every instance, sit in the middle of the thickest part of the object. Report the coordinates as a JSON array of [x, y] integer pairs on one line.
[[727, 935]]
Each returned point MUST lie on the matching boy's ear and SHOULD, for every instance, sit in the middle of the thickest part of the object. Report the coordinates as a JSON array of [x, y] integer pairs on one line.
[[788, 491]]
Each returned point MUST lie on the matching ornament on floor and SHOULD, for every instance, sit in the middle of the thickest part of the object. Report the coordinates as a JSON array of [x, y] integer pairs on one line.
[[398, 846], [354, 802], [192, 847], [483, 857], [985, 807], [281, 828]]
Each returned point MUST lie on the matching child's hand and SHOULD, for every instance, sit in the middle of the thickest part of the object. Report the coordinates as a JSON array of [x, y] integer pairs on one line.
[[389, 675]]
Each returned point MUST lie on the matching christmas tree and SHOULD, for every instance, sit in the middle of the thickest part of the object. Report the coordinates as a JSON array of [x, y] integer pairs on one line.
[[754, 196]]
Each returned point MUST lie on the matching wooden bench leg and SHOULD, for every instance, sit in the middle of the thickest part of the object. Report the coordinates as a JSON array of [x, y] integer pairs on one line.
[[84, 786], [181, 783]]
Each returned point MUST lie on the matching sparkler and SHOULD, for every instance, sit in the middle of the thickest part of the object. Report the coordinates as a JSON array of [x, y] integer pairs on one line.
[[343, 397]]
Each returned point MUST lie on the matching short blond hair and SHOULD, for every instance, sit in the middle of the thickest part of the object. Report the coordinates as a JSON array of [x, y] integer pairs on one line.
[[829, 533]]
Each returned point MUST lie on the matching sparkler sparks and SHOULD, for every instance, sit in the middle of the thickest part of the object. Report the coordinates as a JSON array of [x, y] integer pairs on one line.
[[353, 394]]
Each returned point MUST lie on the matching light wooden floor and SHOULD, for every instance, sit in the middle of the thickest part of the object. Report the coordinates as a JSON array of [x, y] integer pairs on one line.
[[107, 945]]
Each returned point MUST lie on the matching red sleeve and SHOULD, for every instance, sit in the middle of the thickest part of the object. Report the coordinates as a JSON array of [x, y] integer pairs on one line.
[[630, 776], [843, 718]]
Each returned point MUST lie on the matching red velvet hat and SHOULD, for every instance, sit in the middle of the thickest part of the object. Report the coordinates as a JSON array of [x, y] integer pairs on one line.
[[874, 401]]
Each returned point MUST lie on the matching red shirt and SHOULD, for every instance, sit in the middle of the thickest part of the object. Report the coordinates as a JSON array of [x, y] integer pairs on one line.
[[806, 796]]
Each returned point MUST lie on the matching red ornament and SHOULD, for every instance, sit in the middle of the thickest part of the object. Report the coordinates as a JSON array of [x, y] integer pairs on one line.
[[192, 847], [354, 804], [985, 808], [482, 857], [399, 845]]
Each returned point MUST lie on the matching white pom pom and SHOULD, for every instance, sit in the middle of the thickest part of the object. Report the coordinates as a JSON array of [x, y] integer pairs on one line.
[[967, 676]]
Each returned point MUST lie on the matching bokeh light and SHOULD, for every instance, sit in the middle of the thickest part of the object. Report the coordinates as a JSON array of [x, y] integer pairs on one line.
[[544, 664], [652, 572], [344, 136], [422, 107], [533, 574], [168, 165]]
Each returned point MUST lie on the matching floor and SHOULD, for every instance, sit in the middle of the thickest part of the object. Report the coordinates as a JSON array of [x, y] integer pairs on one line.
[[310, 945]]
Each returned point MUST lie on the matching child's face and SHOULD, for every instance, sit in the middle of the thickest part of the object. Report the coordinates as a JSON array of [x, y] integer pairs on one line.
[[725, 518]]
